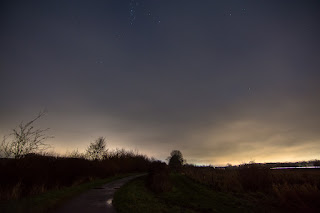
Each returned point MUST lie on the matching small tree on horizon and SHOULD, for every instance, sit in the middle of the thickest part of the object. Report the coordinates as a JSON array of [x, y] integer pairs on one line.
[[176, 159], [97, 149]]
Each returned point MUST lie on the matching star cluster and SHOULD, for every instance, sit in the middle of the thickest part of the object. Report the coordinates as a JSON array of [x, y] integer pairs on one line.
[[137, 8]]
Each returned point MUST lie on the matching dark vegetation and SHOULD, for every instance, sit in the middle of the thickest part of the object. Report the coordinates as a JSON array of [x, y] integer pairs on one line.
[[51, 200], [158, 177], [25, 139], [29, 173], [175, 160], [296, 189], [36, 174], [245, 188], [186, 195]]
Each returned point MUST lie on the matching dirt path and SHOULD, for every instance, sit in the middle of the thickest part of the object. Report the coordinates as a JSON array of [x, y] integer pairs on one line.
[[95, 200]]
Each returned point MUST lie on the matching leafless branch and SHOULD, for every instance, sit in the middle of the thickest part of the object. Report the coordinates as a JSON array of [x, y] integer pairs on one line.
[[25, 139]]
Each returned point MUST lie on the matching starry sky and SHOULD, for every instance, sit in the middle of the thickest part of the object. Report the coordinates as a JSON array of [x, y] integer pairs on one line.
[[224, 81]]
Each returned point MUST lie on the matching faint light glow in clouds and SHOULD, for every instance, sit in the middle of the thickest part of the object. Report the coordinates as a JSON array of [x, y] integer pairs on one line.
[[220, 88]]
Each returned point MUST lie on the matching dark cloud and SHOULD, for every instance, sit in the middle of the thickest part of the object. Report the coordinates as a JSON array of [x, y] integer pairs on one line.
[[221, 81]]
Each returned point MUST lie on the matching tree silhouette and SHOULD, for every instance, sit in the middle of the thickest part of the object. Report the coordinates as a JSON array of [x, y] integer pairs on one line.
[[97, 149], [25, 139], [176, 160]]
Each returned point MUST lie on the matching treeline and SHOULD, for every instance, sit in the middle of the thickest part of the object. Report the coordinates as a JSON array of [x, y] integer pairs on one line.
[[35, 173], [27, 169]]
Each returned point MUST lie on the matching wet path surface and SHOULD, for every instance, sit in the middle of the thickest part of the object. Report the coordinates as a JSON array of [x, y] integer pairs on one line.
[[95, 200]]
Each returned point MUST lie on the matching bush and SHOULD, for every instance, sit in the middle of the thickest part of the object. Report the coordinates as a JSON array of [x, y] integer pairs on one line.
[[158, 178], [175, 160], [36, 173]]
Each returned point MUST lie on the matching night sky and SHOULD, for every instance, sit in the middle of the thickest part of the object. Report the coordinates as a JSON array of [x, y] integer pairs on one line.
[[223, 81]]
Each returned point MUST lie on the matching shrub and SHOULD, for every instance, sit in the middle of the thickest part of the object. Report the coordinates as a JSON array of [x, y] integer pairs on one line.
[[158, 178], [176, 160], [36, 173]]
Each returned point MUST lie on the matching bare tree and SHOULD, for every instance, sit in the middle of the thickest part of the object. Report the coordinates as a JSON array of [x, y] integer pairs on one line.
[[25, 139], [97, 149]]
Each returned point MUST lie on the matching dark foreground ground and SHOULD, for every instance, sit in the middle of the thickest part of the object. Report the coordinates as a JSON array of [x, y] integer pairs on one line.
[[189, 196], [62, 199], [96, 200]]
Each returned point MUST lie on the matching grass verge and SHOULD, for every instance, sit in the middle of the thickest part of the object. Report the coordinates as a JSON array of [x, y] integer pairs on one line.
[[185, 196], [48, 201]]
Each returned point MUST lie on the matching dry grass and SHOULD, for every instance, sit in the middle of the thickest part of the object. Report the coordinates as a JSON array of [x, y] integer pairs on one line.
[[297, 190]]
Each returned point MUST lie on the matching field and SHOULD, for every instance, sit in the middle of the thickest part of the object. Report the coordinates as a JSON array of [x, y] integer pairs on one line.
[[296, 189], [187, 196], [205, 189]]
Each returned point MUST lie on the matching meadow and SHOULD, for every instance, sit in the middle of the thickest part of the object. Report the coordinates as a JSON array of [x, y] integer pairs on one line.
[[244, 188], [291, 188]]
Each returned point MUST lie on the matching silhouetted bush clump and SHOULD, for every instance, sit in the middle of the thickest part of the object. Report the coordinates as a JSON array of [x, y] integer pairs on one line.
[[176, 160], [35, 173], [158, 178]]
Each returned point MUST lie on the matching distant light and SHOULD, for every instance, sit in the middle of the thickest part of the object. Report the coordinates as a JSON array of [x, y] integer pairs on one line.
[[109, 202], [297, 167]]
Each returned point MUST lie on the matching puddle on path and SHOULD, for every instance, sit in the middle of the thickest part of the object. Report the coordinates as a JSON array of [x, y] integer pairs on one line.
[[109, 202]]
